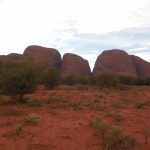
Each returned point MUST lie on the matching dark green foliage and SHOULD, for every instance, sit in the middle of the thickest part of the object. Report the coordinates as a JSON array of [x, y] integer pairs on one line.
[[82, 80], [101, 127], [51, 78], [126, 79], [107, 80], [69, 80], [117, 80], [18, 78], [140, 81], [92, 80], [112, 138]]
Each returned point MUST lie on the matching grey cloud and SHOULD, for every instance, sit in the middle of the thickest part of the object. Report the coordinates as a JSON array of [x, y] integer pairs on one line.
[[132, 40], [89, 45]]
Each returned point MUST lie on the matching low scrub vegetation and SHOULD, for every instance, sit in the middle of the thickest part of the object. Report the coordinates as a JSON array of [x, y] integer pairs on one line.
[[139, 104], [112, 138], [18, 78], [146, 134]]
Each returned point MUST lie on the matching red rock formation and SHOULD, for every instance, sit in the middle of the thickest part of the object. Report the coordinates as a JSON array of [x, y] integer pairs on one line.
[[114, 61], [14, 56], [11, 57], [2, 58], [142, 66], [75, 65], [42, 54]]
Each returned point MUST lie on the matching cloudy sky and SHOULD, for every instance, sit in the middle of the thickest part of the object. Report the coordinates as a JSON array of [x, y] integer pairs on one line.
[[84, 27]]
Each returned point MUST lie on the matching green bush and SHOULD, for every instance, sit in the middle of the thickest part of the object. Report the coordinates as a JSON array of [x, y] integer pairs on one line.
[[126, 79], [82, 80], [102, 127], [69, 80], [18, 78], [51, 78], [112, 138], [140, 81], [107, 80]]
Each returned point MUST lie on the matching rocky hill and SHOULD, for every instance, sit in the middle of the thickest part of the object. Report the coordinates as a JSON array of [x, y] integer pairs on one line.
[[115, 61], [110, 61], [119, 62], [75, 65], [41, 54]]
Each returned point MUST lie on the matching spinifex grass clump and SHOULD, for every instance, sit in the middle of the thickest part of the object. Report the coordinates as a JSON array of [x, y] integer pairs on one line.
[[31, 119], [139, 104], [146, 133], [112, 138]]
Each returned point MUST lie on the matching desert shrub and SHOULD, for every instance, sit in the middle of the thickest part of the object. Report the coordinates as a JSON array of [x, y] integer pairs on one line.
[[33, 102], [92, 80], [69, 80], [82, 80], [118, 117], [139, 104], [107, 80], [147, 80], [51, 78], [96, 105], [116, 105], [127, 142], [113, 138], [126, 79], [18, 78], [140, 81], [146, 133], [31, 119], [102, 127]]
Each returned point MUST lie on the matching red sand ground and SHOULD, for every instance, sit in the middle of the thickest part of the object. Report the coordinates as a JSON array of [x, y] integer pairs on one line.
[[65, 115]]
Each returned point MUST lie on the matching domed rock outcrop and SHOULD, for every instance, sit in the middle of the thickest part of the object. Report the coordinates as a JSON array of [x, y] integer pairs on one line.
[[114, 61], [43, 54], [14, 56], [2, 58], [142, 66], [75, 65]]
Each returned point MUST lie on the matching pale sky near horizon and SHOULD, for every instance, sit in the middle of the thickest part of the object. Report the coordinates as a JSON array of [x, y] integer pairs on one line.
[[83, 27]]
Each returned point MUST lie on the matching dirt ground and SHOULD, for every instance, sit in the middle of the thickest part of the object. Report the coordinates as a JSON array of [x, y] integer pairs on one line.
[[60, 119]]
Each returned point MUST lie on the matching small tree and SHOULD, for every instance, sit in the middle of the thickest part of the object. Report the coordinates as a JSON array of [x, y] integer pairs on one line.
[[51, 78], [18, 78]]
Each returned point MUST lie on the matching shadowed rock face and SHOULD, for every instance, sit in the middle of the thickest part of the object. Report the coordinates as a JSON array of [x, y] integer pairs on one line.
[[11, 57], [14, 56], [114, 61], [2, 58], [111, 61], [142, 66], [75, 65], [42, 54]]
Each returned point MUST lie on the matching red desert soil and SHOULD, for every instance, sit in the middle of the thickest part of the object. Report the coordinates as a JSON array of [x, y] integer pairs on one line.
[[60, 119]]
